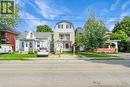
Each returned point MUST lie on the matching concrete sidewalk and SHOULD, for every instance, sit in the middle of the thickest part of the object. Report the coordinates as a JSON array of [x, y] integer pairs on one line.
[[57, 57]]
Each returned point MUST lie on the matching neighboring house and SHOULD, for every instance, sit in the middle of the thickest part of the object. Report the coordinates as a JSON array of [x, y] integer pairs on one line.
[[32, 41], [64, 33], [8, 35], [79, 32]]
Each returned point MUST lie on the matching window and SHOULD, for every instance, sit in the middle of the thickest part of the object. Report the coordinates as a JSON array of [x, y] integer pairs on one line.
[[22, 44], [62, 26], [67, 36], [61, 36], [30, 44], [67, 26], [26, 44], [58, 26], [66, 45], [70, 26], [38, 44]]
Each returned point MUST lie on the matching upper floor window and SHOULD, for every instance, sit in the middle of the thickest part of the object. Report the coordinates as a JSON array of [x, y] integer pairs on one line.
[[70, 26], [62, 26], [61, 36], [67, 26], [58, 25], [67, 37]]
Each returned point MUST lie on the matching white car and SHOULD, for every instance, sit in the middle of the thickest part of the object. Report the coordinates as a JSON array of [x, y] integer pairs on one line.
[[6, 48], [42, 52]]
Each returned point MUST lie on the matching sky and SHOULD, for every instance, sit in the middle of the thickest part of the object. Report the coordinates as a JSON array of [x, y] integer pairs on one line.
[[49, 12]]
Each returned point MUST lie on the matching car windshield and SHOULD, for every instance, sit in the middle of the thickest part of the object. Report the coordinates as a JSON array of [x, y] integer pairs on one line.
[[43, 48]]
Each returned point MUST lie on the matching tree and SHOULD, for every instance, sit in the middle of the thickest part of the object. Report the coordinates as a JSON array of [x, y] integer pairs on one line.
[[119, 35], [94, 33], [10, 19], [79, 39], [43, 28], [123, 25]]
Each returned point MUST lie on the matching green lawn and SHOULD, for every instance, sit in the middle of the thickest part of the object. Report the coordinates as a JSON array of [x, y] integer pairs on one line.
[[98, 56], [94, 54], [17, 56]]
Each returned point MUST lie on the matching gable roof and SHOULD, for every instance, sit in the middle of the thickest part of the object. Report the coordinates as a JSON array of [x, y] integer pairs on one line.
[[38, 35], [79, 30], [6, 28], [41, 35]]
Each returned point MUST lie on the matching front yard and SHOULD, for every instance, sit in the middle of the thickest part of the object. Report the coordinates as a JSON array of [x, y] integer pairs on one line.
[[17, 56], [82, 55]]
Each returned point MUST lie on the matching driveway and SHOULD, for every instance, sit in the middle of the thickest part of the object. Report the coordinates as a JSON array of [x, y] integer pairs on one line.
[[65, 72]]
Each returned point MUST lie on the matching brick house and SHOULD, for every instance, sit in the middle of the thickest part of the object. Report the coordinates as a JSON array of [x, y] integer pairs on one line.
[[7, 35]]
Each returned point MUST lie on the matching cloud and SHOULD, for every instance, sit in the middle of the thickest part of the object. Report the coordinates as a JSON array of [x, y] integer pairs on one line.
[[114, 5], [125, 5], [111, 23], [21, 3], [30, 20], [125, 13], [48, 11]]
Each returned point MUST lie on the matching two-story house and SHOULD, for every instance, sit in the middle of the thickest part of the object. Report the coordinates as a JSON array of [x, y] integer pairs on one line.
[[64, 33]]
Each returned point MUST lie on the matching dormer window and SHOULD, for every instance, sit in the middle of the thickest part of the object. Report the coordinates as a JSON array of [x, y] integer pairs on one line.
[[67, 26], [70, 26], [59, 26], [62, 26]]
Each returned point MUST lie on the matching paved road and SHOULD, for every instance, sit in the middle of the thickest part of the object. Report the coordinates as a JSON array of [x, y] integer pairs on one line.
[[65, 73], [123, 55]]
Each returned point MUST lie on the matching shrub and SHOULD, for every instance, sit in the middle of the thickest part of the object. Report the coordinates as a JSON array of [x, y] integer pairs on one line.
[[30, 52]]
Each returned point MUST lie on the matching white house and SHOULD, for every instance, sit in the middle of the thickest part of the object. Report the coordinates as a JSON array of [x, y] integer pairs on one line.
[[64, 33], [27, 41]]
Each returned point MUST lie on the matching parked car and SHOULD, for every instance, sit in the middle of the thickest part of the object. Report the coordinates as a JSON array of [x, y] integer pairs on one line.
[[42, 52], [6, 48]]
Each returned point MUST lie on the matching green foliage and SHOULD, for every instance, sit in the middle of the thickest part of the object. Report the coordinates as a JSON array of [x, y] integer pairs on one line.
[[17, 56], [123, 25], [94, 34], [119, 35], [30, 52], [79, 39], [11, 19], [43, 28]]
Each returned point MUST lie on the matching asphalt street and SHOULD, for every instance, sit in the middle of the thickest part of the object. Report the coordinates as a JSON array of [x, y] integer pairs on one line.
[[65, 73]]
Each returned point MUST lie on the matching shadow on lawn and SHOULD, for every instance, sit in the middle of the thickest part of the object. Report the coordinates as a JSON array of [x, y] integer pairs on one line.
[[119, 61]]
